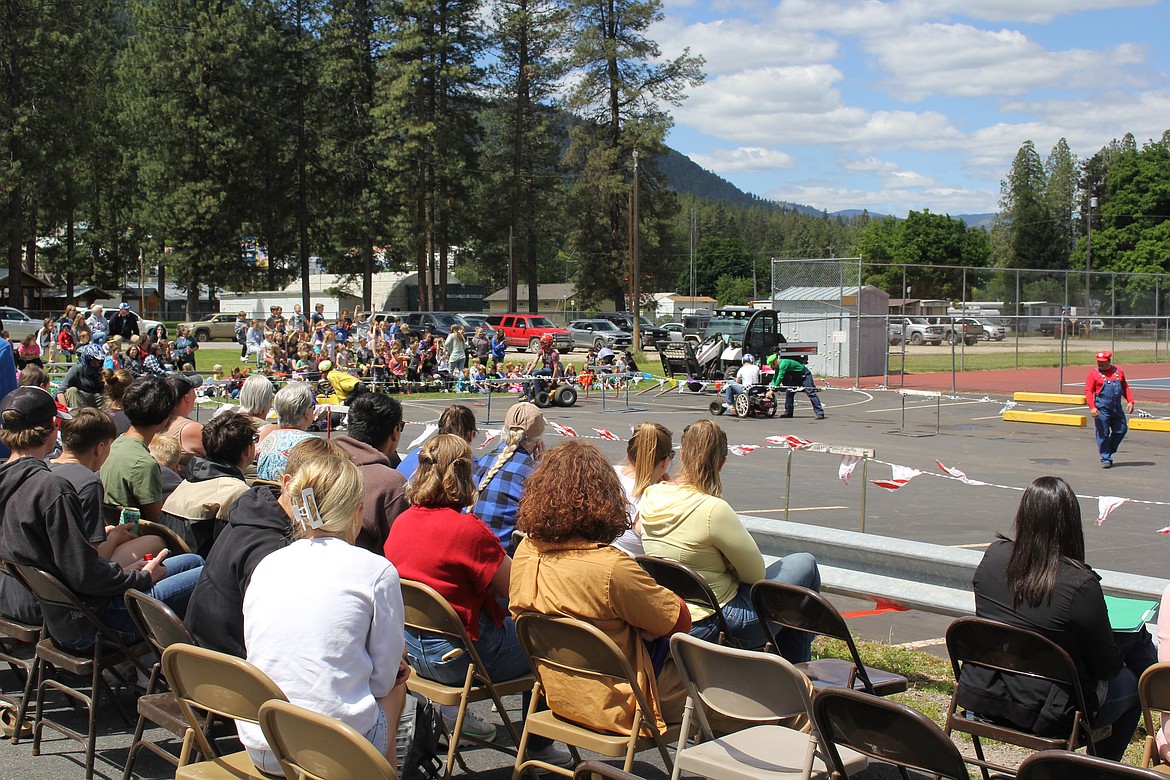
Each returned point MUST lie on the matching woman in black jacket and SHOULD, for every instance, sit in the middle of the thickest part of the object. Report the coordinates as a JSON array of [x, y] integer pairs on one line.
[[1040, 581]]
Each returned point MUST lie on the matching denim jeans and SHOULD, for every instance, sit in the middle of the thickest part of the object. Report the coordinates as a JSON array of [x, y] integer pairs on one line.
[[498, 648], [1120, 705], [730, 391], [796, 646], [174, 590]]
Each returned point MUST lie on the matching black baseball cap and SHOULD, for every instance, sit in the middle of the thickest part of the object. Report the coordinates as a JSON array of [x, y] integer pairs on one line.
[[35, 406]]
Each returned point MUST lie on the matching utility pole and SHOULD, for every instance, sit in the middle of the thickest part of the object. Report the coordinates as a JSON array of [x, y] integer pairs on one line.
[[1089, 259], [635, 262]]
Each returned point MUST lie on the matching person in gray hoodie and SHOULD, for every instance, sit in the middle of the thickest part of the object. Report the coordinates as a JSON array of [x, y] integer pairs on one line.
[[374, 429]]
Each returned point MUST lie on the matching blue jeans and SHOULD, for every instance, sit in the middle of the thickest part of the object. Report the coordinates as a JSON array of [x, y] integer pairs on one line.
[[498, 647], [730, 391], [796, 646], [174, 590], [810, 389], [1120, 705]]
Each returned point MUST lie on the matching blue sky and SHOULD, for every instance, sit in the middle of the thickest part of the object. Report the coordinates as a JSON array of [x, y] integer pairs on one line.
[[910, 104]]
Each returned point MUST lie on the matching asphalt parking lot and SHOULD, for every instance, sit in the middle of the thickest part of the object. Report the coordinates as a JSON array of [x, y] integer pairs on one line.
[[971, 438]]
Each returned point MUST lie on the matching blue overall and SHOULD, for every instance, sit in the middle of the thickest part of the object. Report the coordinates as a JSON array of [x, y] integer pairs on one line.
[[1110, 420]]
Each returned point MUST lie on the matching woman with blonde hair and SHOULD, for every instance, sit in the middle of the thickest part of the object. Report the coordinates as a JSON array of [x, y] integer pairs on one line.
[[688, 521], [648, 454], [324, 619], [117, 382], [455, 347], [500, 479]]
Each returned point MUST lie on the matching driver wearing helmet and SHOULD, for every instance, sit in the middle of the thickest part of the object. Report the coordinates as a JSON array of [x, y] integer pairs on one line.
[[337, 386], [549, 361], [83, 384], [748, 375]]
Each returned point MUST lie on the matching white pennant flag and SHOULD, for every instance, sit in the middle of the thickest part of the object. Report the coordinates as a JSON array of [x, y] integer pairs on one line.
[[848, 464], [959, 475], [489, 434], [1106, 505], [426, 434]]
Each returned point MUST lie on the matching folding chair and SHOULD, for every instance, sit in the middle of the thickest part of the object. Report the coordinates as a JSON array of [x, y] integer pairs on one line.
[[886, 731], [15, 634], [174, 542], [162, 628], [1066, 765], [107, 650], [427, 610], [801, 609], [573, 647], [205, 681], [1154, 692], [589, 770], [689, 586], [758, 690], [311, 746], [1011, 650]]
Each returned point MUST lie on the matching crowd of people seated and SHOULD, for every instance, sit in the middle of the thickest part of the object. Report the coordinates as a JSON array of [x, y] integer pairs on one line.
[[298, 568]]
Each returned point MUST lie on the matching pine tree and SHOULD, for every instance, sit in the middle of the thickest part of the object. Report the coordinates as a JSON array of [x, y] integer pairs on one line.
[[1063, 182], [620, 90], [1031, 234]]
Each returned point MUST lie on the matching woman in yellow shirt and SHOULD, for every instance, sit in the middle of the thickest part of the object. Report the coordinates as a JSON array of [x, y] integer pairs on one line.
[[688, 521]]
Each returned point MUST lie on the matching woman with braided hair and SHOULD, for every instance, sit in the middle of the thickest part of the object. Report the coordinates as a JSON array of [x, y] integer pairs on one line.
[[500, 480]]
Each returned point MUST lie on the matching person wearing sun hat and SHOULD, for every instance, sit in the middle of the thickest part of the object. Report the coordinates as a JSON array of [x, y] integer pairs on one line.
[[1106, 393]]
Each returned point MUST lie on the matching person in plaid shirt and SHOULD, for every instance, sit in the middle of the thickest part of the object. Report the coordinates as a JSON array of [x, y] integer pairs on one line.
[[501, 479]]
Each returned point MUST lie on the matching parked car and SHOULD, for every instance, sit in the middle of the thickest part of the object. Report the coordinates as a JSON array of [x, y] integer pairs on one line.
[[917, 330], [991, 331], [694, 325], [18, 324], [212, 327], [478, 321], [956, 329], [675, 330], [894, 334], [599, 333], [651, 333], [524, 331], [437, 322]]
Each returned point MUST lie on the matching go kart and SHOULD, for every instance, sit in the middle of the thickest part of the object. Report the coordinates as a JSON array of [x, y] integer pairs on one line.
[[753, 402]]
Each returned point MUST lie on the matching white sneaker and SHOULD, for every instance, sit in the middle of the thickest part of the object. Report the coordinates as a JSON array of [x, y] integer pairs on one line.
[[472, 727], [555, 754]]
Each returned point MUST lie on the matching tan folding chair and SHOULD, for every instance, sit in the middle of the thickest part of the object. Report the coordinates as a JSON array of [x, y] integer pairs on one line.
[[1012, 650], [175, 543], [162, 628], [107, 650], [311, 746], [1154, 692], [757, 690], [802, 609], [1066, 765], [576, 648], [688, 585], [589, 770], [427, 610], [23, 663], [886, 730], [217, 684]]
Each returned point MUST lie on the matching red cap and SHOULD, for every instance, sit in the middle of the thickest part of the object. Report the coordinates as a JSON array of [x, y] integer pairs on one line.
[[1104, 355]]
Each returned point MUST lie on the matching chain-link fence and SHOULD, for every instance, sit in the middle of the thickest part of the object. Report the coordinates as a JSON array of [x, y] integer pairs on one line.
[[976, 329]]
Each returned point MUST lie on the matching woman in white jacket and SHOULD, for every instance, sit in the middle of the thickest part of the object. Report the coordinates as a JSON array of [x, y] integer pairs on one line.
[[324, 619]]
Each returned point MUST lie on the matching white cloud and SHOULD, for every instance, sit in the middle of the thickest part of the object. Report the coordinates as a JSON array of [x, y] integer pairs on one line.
[[730, 45], [868, 165], [869, 17], [743, 159], [962, 60]]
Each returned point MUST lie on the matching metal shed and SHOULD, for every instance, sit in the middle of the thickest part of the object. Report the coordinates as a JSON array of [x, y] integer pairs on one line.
[[852, 337]]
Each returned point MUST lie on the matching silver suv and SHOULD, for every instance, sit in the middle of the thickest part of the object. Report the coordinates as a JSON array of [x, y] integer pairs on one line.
[[599, 333]]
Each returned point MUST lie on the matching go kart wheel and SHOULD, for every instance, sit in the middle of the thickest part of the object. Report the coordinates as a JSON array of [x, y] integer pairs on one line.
[[716, 408], [542, 400], [564, 396], [743, 405]]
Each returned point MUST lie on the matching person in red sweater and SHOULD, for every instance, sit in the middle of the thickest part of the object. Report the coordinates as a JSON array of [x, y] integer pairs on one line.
[[1106, 393]]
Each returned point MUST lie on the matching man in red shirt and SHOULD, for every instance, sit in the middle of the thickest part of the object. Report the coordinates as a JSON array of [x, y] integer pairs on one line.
[[1105, 390]]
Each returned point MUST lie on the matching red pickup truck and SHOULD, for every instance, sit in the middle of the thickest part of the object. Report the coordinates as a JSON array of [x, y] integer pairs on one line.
[[524, 331]]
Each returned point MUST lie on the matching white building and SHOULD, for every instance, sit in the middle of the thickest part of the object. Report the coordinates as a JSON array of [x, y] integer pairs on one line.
[[849, 345]]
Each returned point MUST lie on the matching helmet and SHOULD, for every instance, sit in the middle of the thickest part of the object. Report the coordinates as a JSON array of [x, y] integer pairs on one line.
[[1104, 355], [747, 358], [92, 352], [324, 366], [546, 340]]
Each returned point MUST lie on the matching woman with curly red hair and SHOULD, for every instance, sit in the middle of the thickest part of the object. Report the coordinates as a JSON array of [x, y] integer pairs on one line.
[[566, 565]]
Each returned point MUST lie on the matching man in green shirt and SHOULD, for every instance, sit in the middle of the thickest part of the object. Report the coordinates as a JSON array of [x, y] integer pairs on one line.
[[130, 476], [787, 367]]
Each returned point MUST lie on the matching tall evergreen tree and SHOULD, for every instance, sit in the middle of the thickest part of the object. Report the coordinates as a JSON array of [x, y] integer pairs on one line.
[[1062, 179], [1032, 239], [620, 90]]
